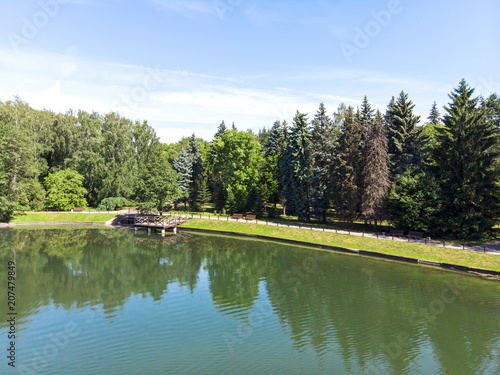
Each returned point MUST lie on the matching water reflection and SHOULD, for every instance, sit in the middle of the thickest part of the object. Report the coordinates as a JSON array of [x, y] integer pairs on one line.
[[374, 316]]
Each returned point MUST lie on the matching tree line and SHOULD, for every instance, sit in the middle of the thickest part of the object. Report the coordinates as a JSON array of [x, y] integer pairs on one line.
[[440, 178]]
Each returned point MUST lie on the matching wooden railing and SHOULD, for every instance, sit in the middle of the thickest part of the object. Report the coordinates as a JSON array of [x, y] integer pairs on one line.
[[160, 221]]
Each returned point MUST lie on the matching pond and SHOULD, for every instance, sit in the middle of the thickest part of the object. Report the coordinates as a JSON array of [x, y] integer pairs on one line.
[[111, 301]]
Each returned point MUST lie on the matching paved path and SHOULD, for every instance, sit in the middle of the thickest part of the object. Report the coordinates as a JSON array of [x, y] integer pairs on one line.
[[489, 248]]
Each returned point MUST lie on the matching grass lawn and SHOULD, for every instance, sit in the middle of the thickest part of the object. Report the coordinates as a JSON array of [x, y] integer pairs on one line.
[[411, 250], [62, 216]]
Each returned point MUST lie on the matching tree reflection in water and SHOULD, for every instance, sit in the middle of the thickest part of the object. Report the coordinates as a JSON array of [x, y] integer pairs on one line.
[[379, 316]]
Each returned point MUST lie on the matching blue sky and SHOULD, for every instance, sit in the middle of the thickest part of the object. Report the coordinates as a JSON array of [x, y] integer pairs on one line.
[[187, 65]]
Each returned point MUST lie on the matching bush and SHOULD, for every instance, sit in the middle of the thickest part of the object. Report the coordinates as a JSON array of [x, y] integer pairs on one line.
[[65, 190], [146, 207], [111, 204], [6, 209]]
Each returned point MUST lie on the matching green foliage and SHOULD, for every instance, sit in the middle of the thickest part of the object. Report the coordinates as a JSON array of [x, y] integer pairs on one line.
[[466, 166], [183, 167], [324, 137], [414, 201], [65, 190], [6, 209], [204, 193], [295, 166], [254, 202], [269, 180], [376, 183], [157, 183], [349, 167], [146, 207], [111, 204], [236, 163], [405, 142], [32, 196], [434, 116], [87, 158], [189, 166]]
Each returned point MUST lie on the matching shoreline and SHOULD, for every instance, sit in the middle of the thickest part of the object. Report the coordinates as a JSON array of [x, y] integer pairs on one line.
[[487, 273], [490, 274]]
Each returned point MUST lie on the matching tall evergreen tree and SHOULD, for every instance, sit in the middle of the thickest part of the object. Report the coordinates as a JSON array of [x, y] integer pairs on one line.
[[324, 139], [376, 181], [465, 166], [204, 193], [405, 141], [275, 140], [366, 115], [434, 115], [270, 181], [198, 171], [349, 167], [295, 169], [184, 167]]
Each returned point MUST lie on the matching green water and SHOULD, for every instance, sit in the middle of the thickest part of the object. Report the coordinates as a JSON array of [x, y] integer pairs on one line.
[[109, 301]]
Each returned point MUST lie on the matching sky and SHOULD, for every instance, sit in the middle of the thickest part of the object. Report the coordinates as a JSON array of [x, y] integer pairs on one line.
[[184, 66]]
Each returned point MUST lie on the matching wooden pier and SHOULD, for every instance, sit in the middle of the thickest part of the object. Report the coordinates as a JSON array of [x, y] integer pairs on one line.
[[160, 222]]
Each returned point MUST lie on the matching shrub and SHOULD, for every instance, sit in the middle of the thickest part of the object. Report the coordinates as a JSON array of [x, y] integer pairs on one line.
[[112, 203]]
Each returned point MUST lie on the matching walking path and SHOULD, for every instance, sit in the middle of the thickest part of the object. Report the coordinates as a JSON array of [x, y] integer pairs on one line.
[[488, 248]]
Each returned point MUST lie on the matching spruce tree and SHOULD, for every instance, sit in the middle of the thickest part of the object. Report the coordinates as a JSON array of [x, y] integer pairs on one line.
[[405, 141], [270, 187], [198, 171], [275, 140], [215, 181], [322, 154], [183, 167], [204, 194], [434, 114], [349, 167], [295, 168], [376, 181], [465, 166]]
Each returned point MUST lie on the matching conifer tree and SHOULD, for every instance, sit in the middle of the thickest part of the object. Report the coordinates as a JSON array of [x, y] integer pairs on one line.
[[434, 114], [376, 181], [275, 140], [295, 169], [198, 171], [215, 181], [322, 167], [366, 116], [220, 130], [270, 187], [405, 141], [184, 168], [204, 193], [349, 167], [465, 166]]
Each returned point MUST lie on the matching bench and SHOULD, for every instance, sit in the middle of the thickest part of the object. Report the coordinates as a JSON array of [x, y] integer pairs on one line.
[[396, 233], [250, 217], [237, 216], [415, 235], [78, 209]]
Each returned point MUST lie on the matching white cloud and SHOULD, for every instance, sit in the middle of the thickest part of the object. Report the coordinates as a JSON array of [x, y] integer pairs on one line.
[[60, 82], [180, 101]]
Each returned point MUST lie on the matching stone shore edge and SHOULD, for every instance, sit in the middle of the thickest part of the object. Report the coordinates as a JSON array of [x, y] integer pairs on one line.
[[455, 267]]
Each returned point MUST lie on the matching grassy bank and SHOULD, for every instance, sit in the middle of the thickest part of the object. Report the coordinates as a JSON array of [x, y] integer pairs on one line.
[[411, 250], [62, 216]]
